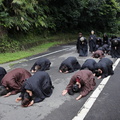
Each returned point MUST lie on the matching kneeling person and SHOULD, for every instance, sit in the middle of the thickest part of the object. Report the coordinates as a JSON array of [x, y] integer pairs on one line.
[[36, 89], [13, 81], [42, 65], [82, 81], [98, 54], [89, 64], [69, 65], [104, 68]]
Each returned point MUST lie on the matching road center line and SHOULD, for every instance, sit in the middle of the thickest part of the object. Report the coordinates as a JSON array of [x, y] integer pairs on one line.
[[90, 101], [49, 54]]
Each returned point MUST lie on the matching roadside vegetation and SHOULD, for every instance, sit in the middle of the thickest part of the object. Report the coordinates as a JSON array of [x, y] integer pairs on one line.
[[28, 25], [46, 43]]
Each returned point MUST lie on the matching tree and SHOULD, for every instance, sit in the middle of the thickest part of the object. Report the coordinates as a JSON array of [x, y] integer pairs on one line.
[[100, 15], [24, 15]]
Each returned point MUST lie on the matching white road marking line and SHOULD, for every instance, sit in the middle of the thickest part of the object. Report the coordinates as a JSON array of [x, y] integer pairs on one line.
[[50, 53], [90, 101]]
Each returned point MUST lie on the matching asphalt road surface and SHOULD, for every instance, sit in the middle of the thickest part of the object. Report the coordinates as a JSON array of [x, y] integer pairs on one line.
[[58, 107]]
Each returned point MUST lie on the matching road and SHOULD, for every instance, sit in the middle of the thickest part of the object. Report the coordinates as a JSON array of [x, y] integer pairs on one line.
[[58, 107]]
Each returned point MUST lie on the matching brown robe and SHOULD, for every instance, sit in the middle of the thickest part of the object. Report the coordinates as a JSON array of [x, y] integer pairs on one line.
[[99, 52], [87, 81], [14, 79]]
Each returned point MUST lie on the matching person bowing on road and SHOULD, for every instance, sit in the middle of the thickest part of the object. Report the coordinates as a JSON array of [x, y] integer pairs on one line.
[[69, 65], [98, 42], [98, 54], [36, 89], [42, 65], [3, 72], [78, 42], [89, 64], [82, 81], [13, 81], [92, 42], [104, 68]]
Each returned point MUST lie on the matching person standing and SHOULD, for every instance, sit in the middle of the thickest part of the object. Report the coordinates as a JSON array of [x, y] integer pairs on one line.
[[78, 42], [105, 39], [89, 64], [92, 42], [98, 43]]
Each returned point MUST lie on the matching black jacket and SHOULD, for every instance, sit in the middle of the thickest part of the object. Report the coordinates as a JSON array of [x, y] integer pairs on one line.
[[115, 48], [71, 63], [90, 64], [92, 43], [105, 64], [44, 64], [40, 84]]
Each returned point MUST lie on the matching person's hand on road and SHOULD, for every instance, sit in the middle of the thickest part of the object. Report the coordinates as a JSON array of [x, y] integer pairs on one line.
[[64, 92], [66, 72], [31, 103], [18, 99], [78, 97], [8, 94], [99, 77]]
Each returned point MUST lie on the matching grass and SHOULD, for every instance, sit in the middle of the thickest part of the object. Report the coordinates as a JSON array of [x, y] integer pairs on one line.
[[45, 44], [7, 57]]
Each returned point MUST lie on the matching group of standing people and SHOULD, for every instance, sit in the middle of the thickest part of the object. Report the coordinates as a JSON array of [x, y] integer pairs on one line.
[[110, 46]]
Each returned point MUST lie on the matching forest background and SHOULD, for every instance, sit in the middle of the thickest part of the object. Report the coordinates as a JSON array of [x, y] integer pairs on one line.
[[28, 27]]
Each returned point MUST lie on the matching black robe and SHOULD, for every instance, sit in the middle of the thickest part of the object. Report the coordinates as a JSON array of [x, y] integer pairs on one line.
[[115, 48], [92, 43], [44, 64], [83, 47], [106, 48], [98, 43], [89, 64], [101, 48], [40, 84], [71, 63], [105, 40], [78, 44], [2, 73], [105, 64]]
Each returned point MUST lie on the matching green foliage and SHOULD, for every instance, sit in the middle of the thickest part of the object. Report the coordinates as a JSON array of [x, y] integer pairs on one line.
[[8, 45], [99, 15], [7, 57], [52, 16], [85, 14], [25, 15]]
